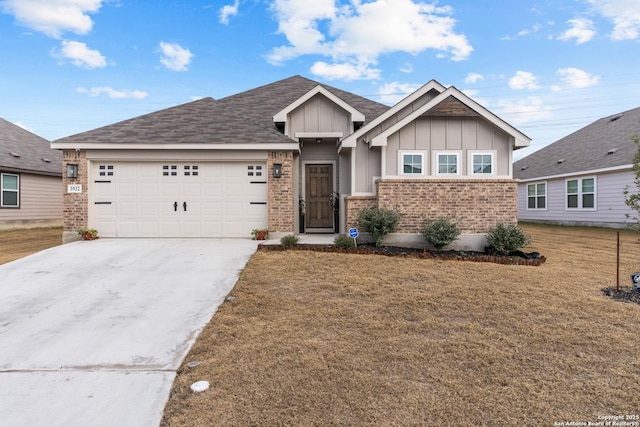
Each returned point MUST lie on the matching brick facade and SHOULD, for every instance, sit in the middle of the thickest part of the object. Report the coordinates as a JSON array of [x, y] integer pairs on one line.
[[479, 204], [76, 205], [355, 204], [281, 207]]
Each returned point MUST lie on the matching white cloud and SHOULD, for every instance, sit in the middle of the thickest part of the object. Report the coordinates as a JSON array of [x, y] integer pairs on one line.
[[112, 93], [576, 78], [53, 17], [392, 93], [175, 57], [227, 11], [362, 31], [473, 78], [625, 15], [524, 110], [581, 30], [523, 80], [345, 71], [80, 55], [406, 68]]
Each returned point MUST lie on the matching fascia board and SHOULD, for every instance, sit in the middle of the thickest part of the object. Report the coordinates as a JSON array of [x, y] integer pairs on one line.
[[579, 173], [520, 139], [281, 116], [350, 141], [115, 146]]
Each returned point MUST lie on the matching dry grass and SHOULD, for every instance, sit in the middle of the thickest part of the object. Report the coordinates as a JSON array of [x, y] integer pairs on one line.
[[319, 339], [19, 243]]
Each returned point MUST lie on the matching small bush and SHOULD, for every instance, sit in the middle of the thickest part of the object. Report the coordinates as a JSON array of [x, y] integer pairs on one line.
[[378, 222], [289, 240], [343, 241], [441, 232], [506, 238]]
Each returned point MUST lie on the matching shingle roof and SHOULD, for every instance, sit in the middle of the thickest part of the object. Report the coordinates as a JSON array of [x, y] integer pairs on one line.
[[246, 117], [605, 143], [205, 121], [21, 150]]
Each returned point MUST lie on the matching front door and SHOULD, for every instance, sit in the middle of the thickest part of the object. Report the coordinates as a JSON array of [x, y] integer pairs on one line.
[[319, 189]]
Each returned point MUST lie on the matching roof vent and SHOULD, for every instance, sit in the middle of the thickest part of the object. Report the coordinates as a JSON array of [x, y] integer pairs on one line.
[[616, 117], [523, 168], [16, 155], [560, 161], [613, 150], [46, 160]]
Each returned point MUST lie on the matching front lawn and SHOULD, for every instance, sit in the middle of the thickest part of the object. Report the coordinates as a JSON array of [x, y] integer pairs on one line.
[[320, 339]]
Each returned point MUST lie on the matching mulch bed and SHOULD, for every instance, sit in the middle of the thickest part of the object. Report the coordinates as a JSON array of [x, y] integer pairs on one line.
[[519, 258], [625, 294]]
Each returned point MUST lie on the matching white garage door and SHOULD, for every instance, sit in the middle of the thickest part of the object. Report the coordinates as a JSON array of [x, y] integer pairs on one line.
[[177, 199]]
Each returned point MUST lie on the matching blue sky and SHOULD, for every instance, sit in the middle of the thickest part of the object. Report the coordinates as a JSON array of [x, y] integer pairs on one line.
[[547, 67]]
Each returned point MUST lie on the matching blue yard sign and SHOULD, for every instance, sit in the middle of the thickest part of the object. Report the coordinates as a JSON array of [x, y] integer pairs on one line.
[[353, 233]]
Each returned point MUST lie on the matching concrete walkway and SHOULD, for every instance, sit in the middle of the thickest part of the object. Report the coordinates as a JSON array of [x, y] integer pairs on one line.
[[91, 333]]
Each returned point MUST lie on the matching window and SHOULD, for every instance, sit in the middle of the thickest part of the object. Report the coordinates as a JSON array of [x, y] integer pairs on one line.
[[411, 164], [447, 163], [537, 196], [254, 170], [581, 193], [169, 170], [106, 170], [482, 164], [10, 190], [191, 170]]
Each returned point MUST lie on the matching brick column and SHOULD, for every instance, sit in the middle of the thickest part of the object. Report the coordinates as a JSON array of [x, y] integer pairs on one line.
[[75, 205], [281, 206]]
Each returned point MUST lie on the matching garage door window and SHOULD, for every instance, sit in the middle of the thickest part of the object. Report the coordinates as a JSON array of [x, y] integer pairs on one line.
[[106, 170], [169, 170], [254, 170], [191, 170]]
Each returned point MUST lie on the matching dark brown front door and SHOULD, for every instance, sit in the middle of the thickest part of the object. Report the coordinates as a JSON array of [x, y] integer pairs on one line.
[[319, 186]]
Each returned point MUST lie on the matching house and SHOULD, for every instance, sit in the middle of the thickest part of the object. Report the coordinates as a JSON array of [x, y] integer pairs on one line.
[[296, 156], [30, 180], [580, 179]]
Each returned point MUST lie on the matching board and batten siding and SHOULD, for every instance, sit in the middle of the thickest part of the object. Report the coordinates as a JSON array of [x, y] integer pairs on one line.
[[40, 203], [610, 207], [320, 114], [429, 134]]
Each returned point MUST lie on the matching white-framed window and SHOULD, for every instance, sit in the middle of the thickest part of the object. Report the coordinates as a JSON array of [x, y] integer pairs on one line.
[[581, 193], [447, 163], [411, 163], [537, 195], [9, 190], [481, 163]]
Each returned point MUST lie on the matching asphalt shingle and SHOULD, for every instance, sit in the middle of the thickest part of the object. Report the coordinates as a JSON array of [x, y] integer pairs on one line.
[[33, 151]]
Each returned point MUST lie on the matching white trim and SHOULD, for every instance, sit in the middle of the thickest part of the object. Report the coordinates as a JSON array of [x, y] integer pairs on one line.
[[363, 194], [353, 170], [546, 196], [581, 173], [292, 146], [423, 156], [383, 163], [518, 138], [319, 135], [2, 189], [472, 153], [579, 194], [351, 140], [436, 163], [281, 116]]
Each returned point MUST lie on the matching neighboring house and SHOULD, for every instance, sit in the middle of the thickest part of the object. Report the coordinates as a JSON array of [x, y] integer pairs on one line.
[[579, 179], [295, 156], [30, 179]]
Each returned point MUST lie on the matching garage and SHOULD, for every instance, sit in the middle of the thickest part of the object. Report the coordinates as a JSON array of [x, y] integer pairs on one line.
[[177, 198]]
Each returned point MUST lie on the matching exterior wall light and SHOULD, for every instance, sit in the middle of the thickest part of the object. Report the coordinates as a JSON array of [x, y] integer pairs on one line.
[[277, 170], [72, 171]]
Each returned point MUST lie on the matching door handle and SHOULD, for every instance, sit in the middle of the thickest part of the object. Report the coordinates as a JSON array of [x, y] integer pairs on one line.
[[184, 206], [175, 206]]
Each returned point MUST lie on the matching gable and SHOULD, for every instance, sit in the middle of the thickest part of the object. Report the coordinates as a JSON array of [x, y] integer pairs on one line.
[[451, 107]]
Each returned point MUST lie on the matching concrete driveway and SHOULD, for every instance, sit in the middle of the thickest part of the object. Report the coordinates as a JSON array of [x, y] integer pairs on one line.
[[91, 333]]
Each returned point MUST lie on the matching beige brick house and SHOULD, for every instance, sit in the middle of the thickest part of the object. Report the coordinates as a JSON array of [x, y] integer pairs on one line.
[[294, 156]]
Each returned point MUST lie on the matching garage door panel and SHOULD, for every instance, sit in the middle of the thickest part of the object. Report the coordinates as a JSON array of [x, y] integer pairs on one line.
[[147, 199]]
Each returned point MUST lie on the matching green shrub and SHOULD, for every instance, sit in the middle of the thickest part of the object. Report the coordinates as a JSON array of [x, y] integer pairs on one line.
[[506, 238], [343, 241], [378, 222], [441, 232], [289, 240]]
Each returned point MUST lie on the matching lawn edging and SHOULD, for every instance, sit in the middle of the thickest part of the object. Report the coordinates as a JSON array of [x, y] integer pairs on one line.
[[423, 254]]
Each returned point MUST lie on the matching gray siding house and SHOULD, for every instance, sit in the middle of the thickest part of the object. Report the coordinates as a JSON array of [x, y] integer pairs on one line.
[[580, 179], [294, 156], [30, 179]]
